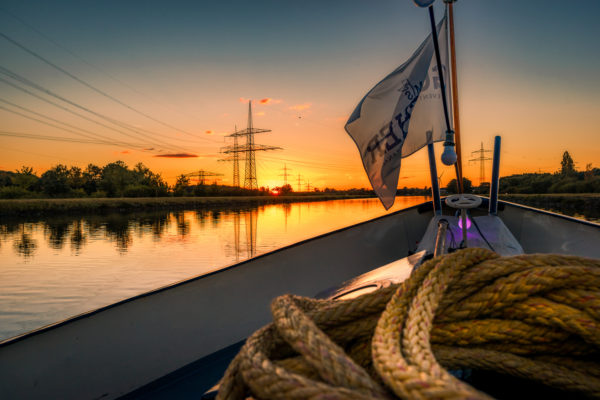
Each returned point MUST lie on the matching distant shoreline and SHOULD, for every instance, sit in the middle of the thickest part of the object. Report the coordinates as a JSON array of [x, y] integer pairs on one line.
[[586, 204], [570, 203], [39, 207]]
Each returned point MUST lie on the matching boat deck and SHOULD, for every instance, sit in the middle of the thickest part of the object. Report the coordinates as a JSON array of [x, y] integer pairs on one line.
[[484, 231]]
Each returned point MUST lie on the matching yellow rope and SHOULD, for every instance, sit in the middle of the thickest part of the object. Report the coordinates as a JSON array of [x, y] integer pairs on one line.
[[532, 316]]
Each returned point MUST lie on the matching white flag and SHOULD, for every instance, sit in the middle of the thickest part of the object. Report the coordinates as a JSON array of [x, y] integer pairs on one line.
[[398, 115]]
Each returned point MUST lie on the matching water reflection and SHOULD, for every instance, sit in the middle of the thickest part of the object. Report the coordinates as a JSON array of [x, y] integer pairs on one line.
[[24, 245], [287, 210], [118, 231], [55, 267], [183, 226], [201, 216], [121, 229], [236, 234], [251, 229], [78, 237], [216, 218], [56, 233], [238, 226]]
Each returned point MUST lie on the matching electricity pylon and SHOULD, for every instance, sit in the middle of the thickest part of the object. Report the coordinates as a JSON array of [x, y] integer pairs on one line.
[[202, 175], [235, 158], [249, 149], [481, 158], [285, 174]]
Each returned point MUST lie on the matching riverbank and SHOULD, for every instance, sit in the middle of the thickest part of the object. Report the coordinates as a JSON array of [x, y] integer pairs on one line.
[[574, 204], [39, 207], [587, 205]]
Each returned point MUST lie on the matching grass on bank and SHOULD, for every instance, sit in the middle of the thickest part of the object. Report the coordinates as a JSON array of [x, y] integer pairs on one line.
[[16, 207]]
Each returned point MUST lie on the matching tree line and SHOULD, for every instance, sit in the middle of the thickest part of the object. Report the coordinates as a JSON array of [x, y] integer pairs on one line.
[[116, 179], [567, 179], [113, 180]]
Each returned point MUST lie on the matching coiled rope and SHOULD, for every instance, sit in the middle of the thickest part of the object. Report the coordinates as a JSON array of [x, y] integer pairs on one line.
[[531, 316]]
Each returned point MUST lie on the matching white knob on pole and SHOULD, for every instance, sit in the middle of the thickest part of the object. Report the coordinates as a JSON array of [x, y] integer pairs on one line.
[[449, 154]]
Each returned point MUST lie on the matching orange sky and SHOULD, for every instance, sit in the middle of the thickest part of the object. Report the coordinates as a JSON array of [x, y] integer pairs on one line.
[[527, 84]]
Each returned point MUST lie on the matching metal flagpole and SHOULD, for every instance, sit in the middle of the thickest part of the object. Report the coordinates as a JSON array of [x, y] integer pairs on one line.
[[439, 67], [448, 156]]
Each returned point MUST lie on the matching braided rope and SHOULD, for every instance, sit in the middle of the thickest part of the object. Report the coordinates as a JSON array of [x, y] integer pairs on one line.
[[532, 316]]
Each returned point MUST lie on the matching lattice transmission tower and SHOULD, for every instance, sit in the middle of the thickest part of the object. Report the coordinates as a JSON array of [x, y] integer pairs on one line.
[[249, 149], [201, 175], [285, 174], [235, 158], [481, 158]]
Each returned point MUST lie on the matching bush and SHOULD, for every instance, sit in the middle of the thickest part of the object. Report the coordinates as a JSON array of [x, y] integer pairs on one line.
[[99, 194], [137, 190], [78, 193], [16, 192]]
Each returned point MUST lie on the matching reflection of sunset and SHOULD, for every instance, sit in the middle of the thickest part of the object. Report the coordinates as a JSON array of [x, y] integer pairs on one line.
[[62, 266]]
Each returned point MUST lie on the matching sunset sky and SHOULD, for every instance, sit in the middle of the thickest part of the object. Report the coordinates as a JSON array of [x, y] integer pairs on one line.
[[175, 78]]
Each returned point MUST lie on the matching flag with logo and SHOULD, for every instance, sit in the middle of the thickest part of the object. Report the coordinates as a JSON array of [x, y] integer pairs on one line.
[[400, 115]]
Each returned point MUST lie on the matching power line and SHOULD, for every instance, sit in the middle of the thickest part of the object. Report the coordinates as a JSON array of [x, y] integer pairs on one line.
[[55, 139], [81, 59], [23, 80], [42, 155], [89, 134], [49, 92], [97, 141], [36, 55], [311, 164]]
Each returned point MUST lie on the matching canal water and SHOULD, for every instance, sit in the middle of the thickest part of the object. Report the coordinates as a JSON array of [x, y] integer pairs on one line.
[[57, 267]]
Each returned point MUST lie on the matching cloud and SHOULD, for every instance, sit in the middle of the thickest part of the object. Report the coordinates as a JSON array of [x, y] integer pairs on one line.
[[177, 155], [264, 102], [213, 132], [260, 114], [269, 100], [125, 152], [149, 149], [300, 107]]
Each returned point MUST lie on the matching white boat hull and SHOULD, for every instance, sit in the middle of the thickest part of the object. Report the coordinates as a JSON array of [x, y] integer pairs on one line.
[[112, 351]]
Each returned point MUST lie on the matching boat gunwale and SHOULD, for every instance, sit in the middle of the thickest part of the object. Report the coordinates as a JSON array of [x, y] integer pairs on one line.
[[421, 208]]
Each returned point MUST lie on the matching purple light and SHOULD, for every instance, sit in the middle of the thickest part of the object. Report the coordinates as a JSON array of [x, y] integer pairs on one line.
[[460, 223]]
